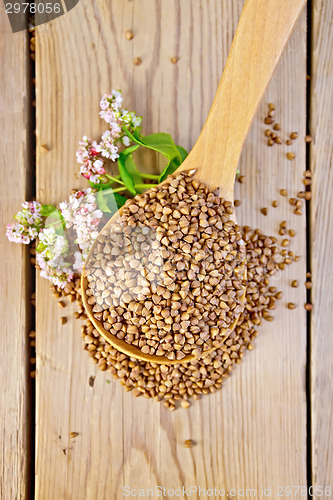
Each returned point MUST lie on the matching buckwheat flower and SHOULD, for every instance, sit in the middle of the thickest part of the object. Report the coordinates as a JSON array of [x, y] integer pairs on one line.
[[89, 158], [59, 272], [82, 214], [130, 122], [55, 244], [115, 130], [33, 233], [78, 261], [130, 119], [30, 215], [98, 166], [126, 141], [111, 103], [29, 221], [51, 250], [17, 233], [118, 117], [107, 146]]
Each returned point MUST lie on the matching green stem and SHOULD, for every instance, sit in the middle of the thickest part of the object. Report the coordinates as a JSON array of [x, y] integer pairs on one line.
[[144, 186], [117, 190], [114, 179], [150, 176]]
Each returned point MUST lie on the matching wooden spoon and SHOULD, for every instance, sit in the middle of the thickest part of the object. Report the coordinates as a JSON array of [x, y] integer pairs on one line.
[[263, 30]]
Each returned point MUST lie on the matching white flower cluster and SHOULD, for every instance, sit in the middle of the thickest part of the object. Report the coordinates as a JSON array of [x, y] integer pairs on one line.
[[81, 213], [50, 257], [110, 105], [107, 146], [55, 253], [28, 223]]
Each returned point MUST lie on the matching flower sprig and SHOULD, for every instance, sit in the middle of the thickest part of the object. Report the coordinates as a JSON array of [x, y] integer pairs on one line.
[[65, 235], [51, 255], [92, 155], [118, 143]]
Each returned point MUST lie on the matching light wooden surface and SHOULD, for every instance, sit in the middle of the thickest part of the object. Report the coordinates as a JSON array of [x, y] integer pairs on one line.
[[253, 432], [14, 442], [322, 243]]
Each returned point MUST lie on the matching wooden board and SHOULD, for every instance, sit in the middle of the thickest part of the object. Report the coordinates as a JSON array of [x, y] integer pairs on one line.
[[322, 243], [253, 432], [15, 303]]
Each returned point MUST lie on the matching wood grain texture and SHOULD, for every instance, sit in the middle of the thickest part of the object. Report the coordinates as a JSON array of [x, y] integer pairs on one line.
[[253, 432], [321, 155], [14, 451]]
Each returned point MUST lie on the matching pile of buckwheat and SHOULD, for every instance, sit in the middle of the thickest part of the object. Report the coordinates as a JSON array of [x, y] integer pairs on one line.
[[168, 275], [178, 384]]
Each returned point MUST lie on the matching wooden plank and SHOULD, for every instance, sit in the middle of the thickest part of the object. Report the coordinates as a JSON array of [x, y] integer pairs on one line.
[[14, 189], [253, 432], [321, 154]]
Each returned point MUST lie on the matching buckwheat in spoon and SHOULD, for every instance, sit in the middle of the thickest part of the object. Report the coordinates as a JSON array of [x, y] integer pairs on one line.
[[164, 281]]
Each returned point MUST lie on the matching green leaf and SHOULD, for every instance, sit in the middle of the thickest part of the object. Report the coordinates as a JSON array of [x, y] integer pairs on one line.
[[47, 210], [133, 169], [120, 200], [126, 177], [182, 151], [102, 204], [130, 164], [162, 143], [60, 230], [130, 149], [56, 219], [173, 164], [109, 202], [168, 170]]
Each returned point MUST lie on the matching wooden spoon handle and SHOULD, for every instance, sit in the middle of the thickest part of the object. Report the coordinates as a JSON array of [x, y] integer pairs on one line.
[[262, 32]]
